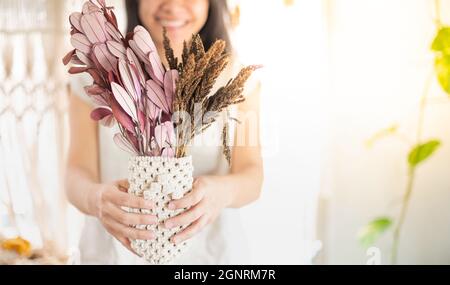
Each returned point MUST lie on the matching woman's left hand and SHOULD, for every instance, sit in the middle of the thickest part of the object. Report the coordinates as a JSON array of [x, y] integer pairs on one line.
[[207, 199]]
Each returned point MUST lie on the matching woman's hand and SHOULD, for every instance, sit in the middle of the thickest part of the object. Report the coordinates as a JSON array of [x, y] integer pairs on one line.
[[108, 203], [207, 199]]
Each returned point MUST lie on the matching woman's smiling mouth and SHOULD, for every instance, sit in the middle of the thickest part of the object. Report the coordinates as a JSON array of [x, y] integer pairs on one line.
[[172, 24]]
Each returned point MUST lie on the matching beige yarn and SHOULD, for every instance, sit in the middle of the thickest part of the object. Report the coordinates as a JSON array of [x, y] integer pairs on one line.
[[160, 179]]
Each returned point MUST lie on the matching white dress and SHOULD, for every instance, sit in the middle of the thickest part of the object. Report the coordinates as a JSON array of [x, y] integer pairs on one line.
[[222, 242]]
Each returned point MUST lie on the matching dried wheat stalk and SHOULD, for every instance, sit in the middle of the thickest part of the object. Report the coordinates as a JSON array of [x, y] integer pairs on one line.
[[199, 71]]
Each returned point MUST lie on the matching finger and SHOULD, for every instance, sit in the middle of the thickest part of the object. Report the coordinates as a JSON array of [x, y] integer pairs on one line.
[[129, 200], [185, 218], [126, 243], [126, 218], [191, 199], [134, 233], [122, 231], [123, 185], [191, 230]]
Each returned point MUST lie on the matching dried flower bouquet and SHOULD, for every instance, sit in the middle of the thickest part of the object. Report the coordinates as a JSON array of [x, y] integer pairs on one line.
[[133, 89]]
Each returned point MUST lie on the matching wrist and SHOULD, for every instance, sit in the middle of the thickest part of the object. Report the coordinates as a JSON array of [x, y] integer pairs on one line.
[[93, 199], [228, 191]]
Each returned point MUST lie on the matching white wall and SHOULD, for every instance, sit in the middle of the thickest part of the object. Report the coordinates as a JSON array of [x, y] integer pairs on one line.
[[380, 59], [289, 42]]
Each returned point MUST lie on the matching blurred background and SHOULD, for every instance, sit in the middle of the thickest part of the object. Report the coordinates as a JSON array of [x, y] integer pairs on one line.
[[355, 105]]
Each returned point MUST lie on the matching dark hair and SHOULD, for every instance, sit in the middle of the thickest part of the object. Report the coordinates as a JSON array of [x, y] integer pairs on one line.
[[214, 28]]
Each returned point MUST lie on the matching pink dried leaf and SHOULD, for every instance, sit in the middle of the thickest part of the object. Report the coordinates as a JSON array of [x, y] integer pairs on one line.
[[101, 21], [138, 52], [113, 19], [133, 140], [134, 61], [170, 80], [168, 152], [156, 68], [74, 20], [156, 94], [103, 115], [143, 40], [112, 77], [170, 132], [81, 43], [94, 89], [122, 118], [144, 47], [96, 76], [77, 69], [117, 49], [97, 66], [92, 28], [152, 110], [124, 99], [84, 58], [160, 135], [124, 144], [135, 75], [105, 58], [99, 100], [138, 28], [148, 131], [100, 112], [113, 32], [142, 121], [76, 61], [108, 121], [127, 79], [68, 57]]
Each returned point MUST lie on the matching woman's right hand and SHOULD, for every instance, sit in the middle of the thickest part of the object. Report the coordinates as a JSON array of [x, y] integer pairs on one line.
[[108, 203]]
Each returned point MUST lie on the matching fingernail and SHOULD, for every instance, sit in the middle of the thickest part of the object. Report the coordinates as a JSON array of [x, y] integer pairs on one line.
[[171, 206]]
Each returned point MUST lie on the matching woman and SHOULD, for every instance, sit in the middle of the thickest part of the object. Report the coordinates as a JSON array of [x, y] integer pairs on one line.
[[97, 169]]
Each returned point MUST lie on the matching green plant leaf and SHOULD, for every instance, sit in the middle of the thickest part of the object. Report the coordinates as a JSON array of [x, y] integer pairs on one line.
[[441, 42], [442, 68], [422, 152], [381, 134], [441, 45], [368, 235]]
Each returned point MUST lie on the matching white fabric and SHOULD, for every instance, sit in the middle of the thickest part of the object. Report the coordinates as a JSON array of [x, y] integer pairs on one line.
[[222, 242]]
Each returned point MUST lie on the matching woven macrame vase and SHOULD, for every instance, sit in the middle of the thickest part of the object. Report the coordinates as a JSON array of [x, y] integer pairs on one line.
[[160, 179]]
